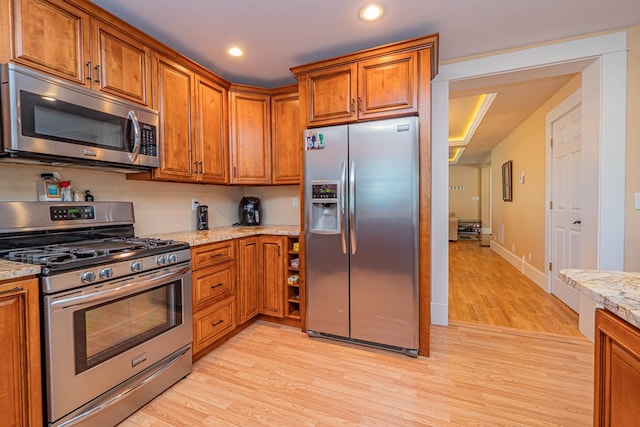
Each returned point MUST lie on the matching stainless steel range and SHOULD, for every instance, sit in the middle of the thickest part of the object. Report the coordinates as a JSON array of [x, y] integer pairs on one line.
[[116, 309]]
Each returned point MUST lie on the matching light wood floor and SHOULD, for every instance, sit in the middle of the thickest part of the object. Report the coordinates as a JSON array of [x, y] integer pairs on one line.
[[485, 288], [476, 375]]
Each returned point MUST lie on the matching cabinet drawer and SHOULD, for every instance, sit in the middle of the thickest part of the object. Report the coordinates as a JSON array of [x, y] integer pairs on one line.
[[214, 253], [211, 284], [212, 324]]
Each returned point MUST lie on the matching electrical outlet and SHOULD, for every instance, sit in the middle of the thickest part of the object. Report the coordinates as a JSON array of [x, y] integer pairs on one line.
[[294, 202], [194, 204]]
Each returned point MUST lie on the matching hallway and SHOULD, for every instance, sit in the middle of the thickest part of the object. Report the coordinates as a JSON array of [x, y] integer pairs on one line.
[[484, 288]]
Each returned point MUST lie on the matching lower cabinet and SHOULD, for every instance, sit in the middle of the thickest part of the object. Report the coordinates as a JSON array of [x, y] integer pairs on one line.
[[617, 372], [20, 370], [214, 293], [230, 290], [248, 278], [271, 270]]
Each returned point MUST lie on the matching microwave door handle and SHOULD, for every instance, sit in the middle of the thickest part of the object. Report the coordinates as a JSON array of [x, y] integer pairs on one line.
[[133, 156]]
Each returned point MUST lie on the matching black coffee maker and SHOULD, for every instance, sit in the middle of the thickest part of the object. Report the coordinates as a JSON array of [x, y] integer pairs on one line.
[[249, 211]]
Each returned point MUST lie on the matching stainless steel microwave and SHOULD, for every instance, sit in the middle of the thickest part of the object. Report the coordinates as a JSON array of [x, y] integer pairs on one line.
[[45, 119]]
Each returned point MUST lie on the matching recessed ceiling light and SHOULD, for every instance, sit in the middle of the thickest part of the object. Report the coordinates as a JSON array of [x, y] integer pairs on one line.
[[235, 51], [371, 12]]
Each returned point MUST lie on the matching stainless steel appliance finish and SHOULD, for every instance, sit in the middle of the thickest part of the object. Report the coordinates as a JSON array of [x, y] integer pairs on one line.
[[116, 309], [362, 268], [45, 119]]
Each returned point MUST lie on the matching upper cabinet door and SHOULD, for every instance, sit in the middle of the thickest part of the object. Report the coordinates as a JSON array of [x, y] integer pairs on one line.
[[211, 132], [388, 86], [121, 64], [332, 95], [250, 138], [286, 137], [174, 99], [52, 36]]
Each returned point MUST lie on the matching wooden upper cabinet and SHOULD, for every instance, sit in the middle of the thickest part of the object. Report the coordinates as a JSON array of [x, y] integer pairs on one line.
[[212, 156], [286, 139], [56, 37], [376, 83], [174, 100], [387, 86], [121, 65], [52, 36], [250, 137], [332, 95]]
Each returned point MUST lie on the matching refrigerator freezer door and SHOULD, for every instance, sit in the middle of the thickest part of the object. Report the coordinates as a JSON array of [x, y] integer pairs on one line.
[[327, 262], [384, 263]]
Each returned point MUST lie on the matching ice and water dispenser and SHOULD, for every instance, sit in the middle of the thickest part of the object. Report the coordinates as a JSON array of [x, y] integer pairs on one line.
[[325, 207]]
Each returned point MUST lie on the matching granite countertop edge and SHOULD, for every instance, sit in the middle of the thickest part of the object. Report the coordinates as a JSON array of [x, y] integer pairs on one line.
[[10, 270], [219, 234], [616, 291]]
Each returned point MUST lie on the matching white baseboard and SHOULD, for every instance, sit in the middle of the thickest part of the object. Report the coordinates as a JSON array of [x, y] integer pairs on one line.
[[439, 314], [536, 276]]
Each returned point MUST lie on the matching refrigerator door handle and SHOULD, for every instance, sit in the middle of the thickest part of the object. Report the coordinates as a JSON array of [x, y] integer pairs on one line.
[[352, 207], [343, 231]]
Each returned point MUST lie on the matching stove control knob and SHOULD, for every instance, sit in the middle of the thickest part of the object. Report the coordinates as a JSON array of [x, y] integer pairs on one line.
[[173, 258], [136, 266], [106, 273], [162, 260], [88, 276]]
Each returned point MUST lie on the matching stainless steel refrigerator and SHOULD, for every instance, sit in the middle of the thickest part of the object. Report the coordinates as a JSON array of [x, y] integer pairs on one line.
[[361, 233]]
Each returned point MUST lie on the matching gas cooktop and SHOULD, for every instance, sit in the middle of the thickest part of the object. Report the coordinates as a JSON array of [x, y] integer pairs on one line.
[[55, 258]]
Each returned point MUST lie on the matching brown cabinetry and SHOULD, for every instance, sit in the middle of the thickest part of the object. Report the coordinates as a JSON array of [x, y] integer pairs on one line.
[[214, 294], [250, 135], [382, 86], [286, 139], [20, 370], [193, 125], [248, 278], [270, 265], [58, 38], [617, 372]]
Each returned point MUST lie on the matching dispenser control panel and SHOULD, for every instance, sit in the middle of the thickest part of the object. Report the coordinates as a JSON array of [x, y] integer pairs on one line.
[[324, 191]]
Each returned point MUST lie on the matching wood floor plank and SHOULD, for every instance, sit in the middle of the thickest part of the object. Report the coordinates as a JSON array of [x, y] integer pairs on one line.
[[485, 288], [477, 375]]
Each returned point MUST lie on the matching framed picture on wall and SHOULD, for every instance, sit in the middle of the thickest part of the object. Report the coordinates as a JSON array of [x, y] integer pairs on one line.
[[507, 195]]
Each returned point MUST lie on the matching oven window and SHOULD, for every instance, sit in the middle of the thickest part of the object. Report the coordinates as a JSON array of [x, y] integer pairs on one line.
[[106, 330]]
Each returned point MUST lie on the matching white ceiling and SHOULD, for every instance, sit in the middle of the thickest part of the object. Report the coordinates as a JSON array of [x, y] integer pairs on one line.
[[280, 34]]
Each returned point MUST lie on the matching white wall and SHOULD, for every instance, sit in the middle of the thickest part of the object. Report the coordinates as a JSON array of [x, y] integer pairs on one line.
[[159, 207]]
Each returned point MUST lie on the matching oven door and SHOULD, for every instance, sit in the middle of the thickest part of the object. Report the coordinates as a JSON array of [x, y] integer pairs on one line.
[[100, 336]]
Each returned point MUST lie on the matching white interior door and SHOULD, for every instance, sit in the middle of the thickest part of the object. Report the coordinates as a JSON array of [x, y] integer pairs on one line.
[[566, 198]]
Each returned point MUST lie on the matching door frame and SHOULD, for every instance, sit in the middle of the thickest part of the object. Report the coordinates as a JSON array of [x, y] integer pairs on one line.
[[605, 82]]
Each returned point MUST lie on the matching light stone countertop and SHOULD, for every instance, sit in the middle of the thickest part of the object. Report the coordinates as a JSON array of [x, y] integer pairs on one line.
[[618, 292], [218, 234], [10, 270]]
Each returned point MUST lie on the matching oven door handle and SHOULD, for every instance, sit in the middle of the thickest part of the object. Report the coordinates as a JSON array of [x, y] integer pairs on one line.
[[127, 288]]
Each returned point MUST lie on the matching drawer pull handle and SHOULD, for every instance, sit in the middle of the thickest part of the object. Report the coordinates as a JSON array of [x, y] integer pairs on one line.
[[216, 254], [217, 322], [215, 286]]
